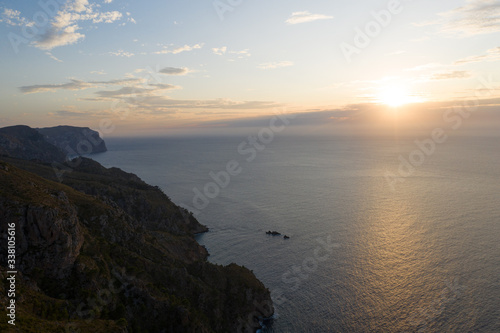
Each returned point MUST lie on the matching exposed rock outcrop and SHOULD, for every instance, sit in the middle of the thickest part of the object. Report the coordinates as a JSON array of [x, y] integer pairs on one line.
[[104, 246], [74, 141], [28, 144], [51, 144]]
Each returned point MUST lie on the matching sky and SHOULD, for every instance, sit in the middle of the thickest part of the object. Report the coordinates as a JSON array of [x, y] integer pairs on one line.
[[130, 67]]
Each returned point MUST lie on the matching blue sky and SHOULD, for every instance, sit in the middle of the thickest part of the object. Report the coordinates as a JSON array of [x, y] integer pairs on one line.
[[157, 65]]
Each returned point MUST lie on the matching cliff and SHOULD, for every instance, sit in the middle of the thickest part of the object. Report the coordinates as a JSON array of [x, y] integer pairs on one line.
[[102, 251], [74, 141], [51, 144], [27, 143]]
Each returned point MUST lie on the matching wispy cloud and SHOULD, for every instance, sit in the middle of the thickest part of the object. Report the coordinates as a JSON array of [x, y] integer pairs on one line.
[[68, 113], [72, 85], [130, 19], [219, 50], [233, 54], [491, 55], [59, 37], [305, 16], [142, 96], [63, 29], [128, 91], [395, 53], [13, 17], [425, 67], [174, 71], [75, 85], [241, 54], [273, 65], [474, 18], [121, 53], [180, 49], [447, 75], [53, 57], [125, 81], [152, 102], [65, 25]]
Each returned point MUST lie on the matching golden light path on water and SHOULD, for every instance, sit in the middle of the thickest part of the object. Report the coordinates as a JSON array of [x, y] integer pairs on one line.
[[422, 258], [397, 276], [387, 258]]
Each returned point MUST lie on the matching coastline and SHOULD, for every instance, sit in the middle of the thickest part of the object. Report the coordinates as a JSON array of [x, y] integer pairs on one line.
[[130, 232]]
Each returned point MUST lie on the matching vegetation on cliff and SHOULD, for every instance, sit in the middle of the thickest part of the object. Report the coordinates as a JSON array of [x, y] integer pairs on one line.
[[102, 251]]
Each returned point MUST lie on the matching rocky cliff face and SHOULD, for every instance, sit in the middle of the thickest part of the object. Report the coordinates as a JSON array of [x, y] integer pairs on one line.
[[49, 236], [51, 144], [105, 252], [74, 141], [26, 143]]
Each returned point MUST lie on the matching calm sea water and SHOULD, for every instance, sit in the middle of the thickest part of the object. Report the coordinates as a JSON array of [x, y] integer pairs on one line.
[[423, 256]]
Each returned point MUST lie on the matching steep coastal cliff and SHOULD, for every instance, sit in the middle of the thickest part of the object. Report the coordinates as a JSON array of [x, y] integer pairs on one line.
[[102, 251], [50, 144], [28, 144], [74, 141]]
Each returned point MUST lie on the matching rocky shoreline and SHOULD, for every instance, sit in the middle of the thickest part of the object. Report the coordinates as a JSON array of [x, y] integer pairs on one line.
[[99, 250]]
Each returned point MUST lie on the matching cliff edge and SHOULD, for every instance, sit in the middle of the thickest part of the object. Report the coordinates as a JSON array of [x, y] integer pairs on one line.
[[102, 251], [74, 141]]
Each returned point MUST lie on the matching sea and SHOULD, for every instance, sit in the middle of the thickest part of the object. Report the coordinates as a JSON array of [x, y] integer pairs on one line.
[[386, 234]]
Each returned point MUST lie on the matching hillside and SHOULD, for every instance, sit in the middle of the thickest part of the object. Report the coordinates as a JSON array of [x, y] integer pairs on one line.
[[102, 251], [73, 140], [27, 143], [50, 144]]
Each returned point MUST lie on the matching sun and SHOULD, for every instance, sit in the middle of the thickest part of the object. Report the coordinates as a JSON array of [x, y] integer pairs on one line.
[[395, 96]]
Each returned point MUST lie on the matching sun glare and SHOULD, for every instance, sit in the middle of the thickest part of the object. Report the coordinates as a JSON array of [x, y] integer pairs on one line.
[[396, 96]]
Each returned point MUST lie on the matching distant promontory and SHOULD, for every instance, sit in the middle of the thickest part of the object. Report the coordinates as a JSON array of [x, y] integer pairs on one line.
[[49, 144], [74, 140]]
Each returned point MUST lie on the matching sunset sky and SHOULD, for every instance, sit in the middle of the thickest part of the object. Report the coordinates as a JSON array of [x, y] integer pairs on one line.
[[151, 66]]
